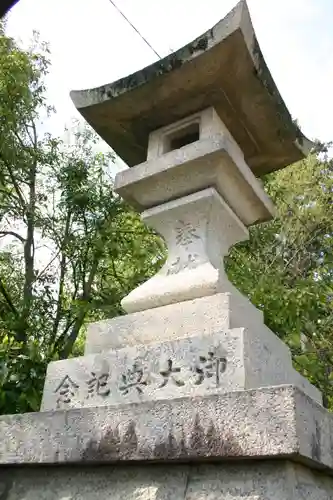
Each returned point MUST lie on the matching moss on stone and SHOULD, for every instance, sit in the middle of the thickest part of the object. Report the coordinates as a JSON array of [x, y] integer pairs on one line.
[[262, 72], [159, 68]]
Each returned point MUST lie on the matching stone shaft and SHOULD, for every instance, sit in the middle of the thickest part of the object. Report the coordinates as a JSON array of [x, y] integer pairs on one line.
[[199, 229]]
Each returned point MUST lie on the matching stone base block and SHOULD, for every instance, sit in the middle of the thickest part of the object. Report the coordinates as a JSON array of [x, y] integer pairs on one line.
[[202, 316], [274, 480], [195, 366], [272, 422]]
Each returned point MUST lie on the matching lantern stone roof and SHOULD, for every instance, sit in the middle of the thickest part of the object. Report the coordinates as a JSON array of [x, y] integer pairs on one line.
[[223, 68]]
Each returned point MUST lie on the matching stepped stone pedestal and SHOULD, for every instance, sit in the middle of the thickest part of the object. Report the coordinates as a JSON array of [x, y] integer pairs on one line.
[[189, 396]]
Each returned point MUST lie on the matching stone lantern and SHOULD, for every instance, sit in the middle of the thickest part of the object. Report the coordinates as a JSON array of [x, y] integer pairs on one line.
[[198, 128], [191, 375]]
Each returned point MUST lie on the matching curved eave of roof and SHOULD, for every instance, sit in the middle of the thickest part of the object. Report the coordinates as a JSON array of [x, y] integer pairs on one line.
[[223, 68]]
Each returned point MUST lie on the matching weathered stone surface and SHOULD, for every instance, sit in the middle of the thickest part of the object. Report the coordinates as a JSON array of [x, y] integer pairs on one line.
[[263, 354], [203, 316], [215, 159], [199, 230], [194, 366], [274, 480], [103, 483], [223, 68], [259, 423]]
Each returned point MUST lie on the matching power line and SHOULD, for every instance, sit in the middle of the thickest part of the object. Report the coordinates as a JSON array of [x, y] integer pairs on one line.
[[135, 29]]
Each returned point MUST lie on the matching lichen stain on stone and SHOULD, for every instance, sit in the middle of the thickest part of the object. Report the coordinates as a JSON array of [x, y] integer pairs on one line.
[[316, 443], [201, 441], [5, 487], [111, 446], [170, 448], [141, 77], [200, 44], [169, 63], [211, 442], [262, 72]]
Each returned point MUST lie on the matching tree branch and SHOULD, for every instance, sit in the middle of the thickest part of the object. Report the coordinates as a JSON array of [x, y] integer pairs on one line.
[[8, 193], [116, 275], [7, 298], [61, 279], [23, 146], [47, 265], [32, 139], [12, 233], [29, 246], [33, 126], [14, 182], [65, 352]]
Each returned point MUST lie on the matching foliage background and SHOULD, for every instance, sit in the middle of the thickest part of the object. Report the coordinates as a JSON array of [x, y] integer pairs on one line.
[[70, 249]]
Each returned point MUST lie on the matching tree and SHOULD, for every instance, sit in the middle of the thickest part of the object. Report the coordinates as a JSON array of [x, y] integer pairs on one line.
[[286, 267], [70, 245]]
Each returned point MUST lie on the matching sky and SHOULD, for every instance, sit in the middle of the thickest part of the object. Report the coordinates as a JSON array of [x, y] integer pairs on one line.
[[92, 45]]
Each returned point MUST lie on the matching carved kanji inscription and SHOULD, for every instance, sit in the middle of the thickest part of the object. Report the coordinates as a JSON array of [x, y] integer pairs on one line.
[[133, 379], [65, 391], [170, 373], [210, 366]]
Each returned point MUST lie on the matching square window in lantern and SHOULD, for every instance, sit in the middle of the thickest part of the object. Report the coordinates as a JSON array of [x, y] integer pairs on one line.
[[182, 137]]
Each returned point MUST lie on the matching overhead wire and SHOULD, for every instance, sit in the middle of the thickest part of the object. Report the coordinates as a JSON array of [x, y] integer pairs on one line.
[[135, 29]]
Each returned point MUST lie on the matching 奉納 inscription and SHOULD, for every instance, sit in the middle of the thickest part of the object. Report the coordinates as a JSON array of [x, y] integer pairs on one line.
[[186, 233], [178, 265]]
